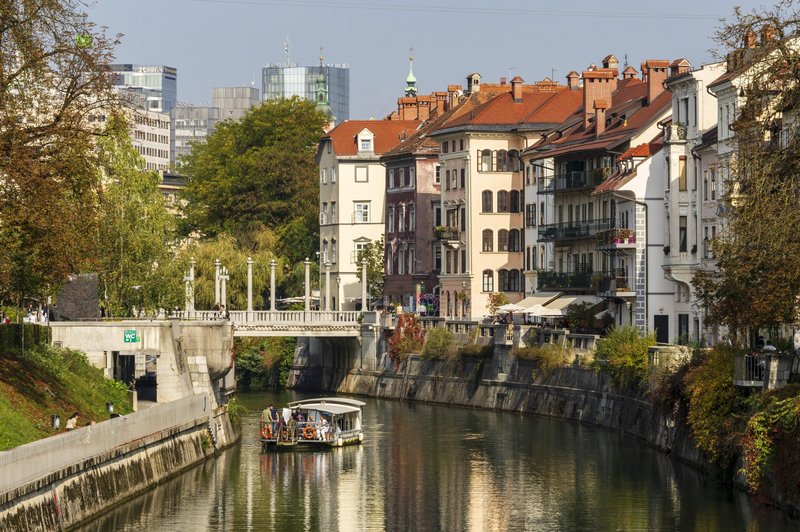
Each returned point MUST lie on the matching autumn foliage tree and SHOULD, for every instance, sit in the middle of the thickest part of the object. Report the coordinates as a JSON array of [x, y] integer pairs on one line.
[[757, 284], [53, 77]]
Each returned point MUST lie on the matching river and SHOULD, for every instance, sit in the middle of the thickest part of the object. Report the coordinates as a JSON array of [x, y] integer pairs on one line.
[[430, 467]]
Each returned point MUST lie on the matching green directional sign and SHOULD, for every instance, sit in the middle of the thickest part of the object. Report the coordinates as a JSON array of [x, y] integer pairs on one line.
[[130, 336]]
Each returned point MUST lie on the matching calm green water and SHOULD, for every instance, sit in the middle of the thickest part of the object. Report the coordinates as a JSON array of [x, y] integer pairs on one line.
[[425, 467]]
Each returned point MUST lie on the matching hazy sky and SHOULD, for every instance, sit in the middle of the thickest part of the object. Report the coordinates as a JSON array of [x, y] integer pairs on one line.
[[226, 42]]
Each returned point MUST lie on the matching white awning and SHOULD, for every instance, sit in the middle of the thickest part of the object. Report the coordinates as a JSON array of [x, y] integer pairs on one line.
[[539, 298], [511, 307], [564, 301], [542, 312]]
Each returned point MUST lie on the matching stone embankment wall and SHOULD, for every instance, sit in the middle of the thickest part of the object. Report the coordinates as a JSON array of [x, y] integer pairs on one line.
[[505, 383], [59, 482]]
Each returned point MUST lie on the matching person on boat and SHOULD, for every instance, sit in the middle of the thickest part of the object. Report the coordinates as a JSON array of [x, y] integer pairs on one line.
[[272, 418], [322, 434], [292, 427]]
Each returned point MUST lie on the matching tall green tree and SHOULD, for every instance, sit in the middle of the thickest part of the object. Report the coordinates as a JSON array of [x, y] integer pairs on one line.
[[259, 172], [757, 284], [136, 231], [53, 77]]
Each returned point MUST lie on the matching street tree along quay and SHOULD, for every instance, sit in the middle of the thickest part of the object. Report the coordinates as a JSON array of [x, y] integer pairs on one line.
[[373, 252], [757, 284], [52, 77], [259, 172], [136, 263]]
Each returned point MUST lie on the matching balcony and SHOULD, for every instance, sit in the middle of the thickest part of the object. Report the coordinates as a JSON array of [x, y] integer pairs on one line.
[[572, 181], [613, 284], [449, 236], [573, 230], [618, 238], [565, 281]]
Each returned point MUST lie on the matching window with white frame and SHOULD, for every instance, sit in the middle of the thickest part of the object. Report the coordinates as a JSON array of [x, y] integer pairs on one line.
[[358, 250], [333, 251], [333, 174], [323, 175], [488, 281], [389, 265], [411, 259], [401, 262], [401, 218], [411, 177], [390, 219], [323, 216], [411, 217], [365, 144], [333, 219], [401, 177], [361, 212], [391, 178]]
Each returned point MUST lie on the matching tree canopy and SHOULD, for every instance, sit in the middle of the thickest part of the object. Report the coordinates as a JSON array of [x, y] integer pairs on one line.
[[757, 284], [259, 172], [53, 78]]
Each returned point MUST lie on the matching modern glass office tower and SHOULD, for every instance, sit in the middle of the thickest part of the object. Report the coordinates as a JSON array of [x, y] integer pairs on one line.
[[158, 84], [285, 81]]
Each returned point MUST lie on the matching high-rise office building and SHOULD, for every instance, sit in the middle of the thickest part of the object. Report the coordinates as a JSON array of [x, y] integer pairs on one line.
[[157, 84], [192, 124], [287, 80], [233, 102]]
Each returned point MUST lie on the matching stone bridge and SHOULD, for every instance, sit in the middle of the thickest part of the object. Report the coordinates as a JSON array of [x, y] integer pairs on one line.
[[296, 323]]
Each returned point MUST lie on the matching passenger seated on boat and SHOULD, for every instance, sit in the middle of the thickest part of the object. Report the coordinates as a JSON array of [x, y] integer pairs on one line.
[[322, 433]]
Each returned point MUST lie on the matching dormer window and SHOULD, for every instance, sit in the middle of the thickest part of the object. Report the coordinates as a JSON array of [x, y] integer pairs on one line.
[[365, 141]]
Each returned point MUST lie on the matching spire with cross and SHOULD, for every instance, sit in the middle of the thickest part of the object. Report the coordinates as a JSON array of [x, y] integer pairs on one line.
[[411, 81]]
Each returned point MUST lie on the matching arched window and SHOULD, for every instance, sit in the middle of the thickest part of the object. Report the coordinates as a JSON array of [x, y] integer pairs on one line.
[[488, 240], [515, 195], [488, 281], [513, 281], [486, 161], [502, 201], [486, 201], [502, 280], [502, 161], [502, 240], [513, 240], [513, 159]]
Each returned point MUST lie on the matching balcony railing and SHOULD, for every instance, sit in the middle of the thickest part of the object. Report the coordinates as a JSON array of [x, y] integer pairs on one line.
[[445, 233], [614, 282], [579, 280], [616, 238], [573, 230], [572, 181]]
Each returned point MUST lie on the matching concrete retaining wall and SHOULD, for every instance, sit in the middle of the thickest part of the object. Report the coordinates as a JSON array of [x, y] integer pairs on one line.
[[505, 383], [63, 480]]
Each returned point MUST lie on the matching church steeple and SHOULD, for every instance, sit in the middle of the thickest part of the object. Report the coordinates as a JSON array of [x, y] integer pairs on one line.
[[322, 90], [411, 81]]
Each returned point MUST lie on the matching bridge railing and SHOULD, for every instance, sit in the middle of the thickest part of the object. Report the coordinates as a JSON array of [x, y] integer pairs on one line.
[[305, 317], [309, 317]]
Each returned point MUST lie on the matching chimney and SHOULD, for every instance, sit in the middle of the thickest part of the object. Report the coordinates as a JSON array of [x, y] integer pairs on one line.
[[516, 89], [423, 107], [597, 85], [453, 94], [629, 73], [573, 78], [767, 33], [679, 66], [657, 70], [750, 39], [503, 80], [644, 72], [600, 107]]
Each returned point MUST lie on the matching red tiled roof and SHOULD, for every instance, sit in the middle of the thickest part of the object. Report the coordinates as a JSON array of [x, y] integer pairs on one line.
[[387, 134], [642, 150], [616, 180], [545, 103]]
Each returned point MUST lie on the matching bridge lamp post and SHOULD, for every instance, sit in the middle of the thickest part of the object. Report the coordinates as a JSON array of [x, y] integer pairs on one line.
[[249, 288], [217, 265], [364, 285], [272, 264], [339, 289], [327, 285], [307, 267]]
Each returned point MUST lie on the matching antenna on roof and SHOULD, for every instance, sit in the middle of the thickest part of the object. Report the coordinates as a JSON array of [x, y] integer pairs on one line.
[[321, 57], [552, 73], [286, 45], [626, 60]]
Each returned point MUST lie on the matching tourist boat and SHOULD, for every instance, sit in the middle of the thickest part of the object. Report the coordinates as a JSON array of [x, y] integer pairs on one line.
[[320, 422]]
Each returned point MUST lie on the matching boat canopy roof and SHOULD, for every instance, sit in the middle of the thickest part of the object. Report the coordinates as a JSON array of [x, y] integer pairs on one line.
[[329, 408], [327, 401]]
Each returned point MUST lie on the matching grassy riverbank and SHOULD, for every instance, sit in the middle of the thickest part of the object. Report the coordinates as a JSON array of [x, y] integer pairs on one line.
[[46, 380]]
